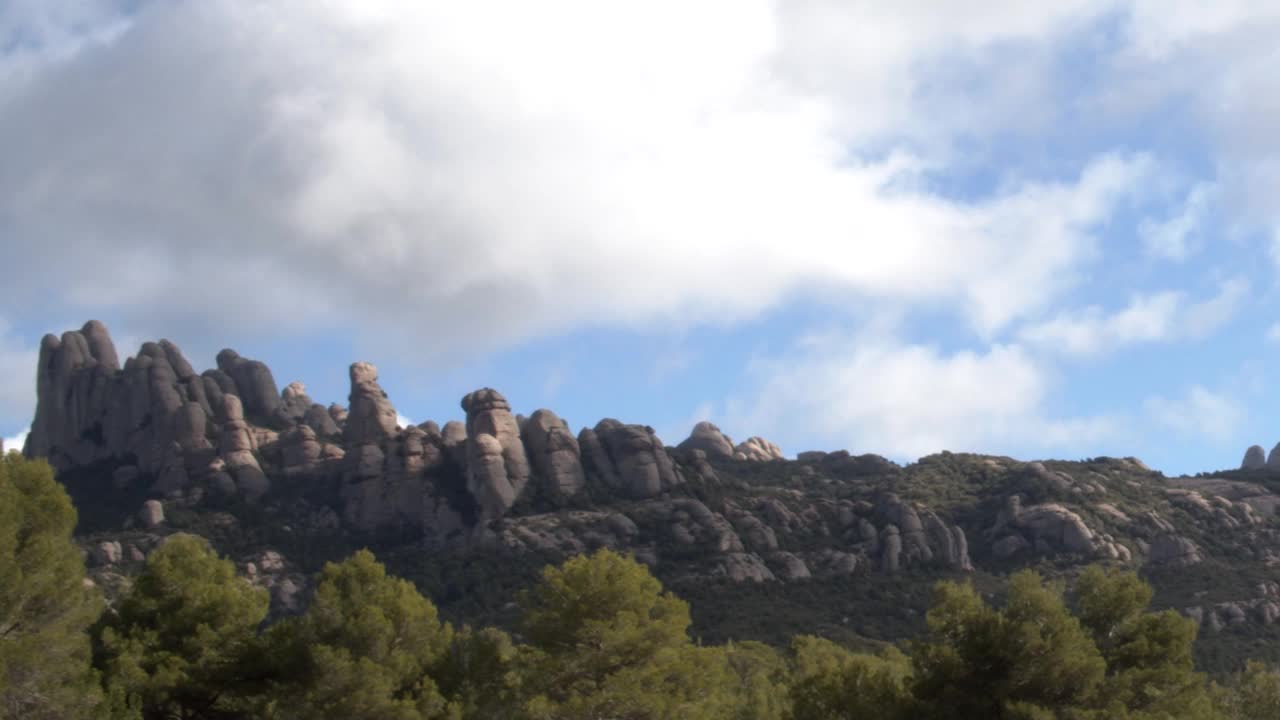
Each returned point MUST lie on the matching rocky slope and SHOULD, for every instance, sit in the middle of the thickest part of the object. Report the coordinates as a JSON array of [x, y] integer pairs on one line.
[[472, 507]]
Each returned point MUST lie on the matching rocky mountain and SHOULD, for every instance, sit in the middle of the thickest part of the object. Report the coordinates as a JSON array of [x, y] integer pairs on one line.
[[762, 544]]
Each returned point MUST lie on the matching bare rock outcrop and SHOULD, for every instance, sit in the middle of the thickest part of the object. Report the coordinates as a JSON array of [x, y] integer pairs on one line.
[[1255, 458], [89, 408], [497, 466], [151, 514], [629, 459], [1273, 459], [1049, 527], [554, 455], [236, 447], [254, 383], [1173, 550], [757, 449], [741, 567], [708, 438], [371, 417], [789, 567]]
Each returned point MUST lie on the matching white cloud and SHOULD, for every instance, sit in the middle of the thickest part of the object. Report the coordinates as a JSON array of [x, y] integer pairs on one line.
[[1178, 237], [403, 421], [1199, 413], [286, 164], [16, 442], [879, 395], [1158, 317]]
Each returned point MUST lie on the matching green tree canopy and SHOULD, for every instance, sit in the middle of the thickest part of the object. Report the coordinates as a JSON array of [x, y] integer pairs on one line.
[[366, 648], [606, 641], [178, 646], [46, 606]]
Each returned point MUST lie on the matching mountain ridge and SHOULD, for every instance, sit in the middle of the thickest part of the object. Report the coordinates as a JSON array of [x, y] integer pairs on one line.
[[467, 508]]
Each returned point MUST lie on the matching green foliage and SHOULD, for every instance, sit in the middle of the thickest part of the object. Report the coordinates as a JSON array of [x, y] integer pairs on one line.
[[480, 674], [45, 605], [1034, 659], [1254, 694], [606, 641], [829, 681], [182, 638], [365, 648], [979, 662]]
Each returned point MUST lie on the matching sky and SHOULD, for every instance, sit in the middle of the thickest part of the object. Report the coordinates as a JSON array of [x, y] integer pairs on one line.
[[1044, 230]]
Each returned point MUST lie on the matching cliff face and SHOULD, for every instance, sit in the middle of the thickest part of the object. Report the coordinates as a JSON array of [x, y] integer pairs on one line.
[[501, 485], [493, 481]]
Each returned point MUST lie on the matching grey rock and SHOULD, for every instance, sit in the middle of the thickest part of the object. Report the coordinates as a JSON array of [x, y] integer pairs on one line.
[[788, 566], [708, 438], [741, 567], [318, 418], [1273, 459], [254, 383], [1255, 458], [152, 514], [371, 417], [890, 549], [1008, 546], [629, 458], [107, 552], [554, 454], [1173, 551], [757, 449], [497, 466], [191, 426]]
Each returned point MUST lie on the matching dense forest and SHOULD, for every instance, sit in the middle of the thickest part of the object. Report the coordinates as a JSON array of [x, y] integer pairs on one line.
[[597, 637]]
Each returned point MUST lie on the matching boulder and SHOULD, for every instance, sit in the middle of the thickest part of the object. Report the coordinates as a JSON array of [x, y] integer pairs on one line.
[[554, 455], [1008, 546], [890, 549], [107, 552], [151, 514], [317, 417], [708, 438], [1255, 458], [1050, 525], [300, 451], [1173, 551], [757, 449], [741, 567], [254, 383], [628, 458], [294, 403], [497, 466], [371, 418], [1273, 459], [788, 566], [191, 426]]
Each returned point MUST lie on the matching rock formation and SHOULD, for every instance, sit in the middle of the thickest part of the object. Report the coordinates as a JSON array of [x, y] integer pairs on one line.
[[254, 383], [1255, 458], [757, 449], [554, 455], [371, 418], [628, 459], [497, 467], [708, 438]]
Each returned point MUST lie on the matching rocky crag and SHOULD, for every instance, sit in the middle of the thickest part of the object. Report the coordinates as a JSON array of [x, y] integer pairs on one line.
[[216, 449]]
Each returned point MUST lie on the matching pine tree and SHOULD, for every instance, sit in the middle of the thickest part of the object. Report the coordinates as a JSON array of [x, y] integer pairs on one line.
[[180, 643], [46, 605], [367, 647]]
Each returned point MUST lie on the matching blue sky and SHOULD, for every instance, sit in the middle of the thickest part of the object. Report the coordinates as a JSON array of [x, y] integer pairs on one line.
[[1041, 230]]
